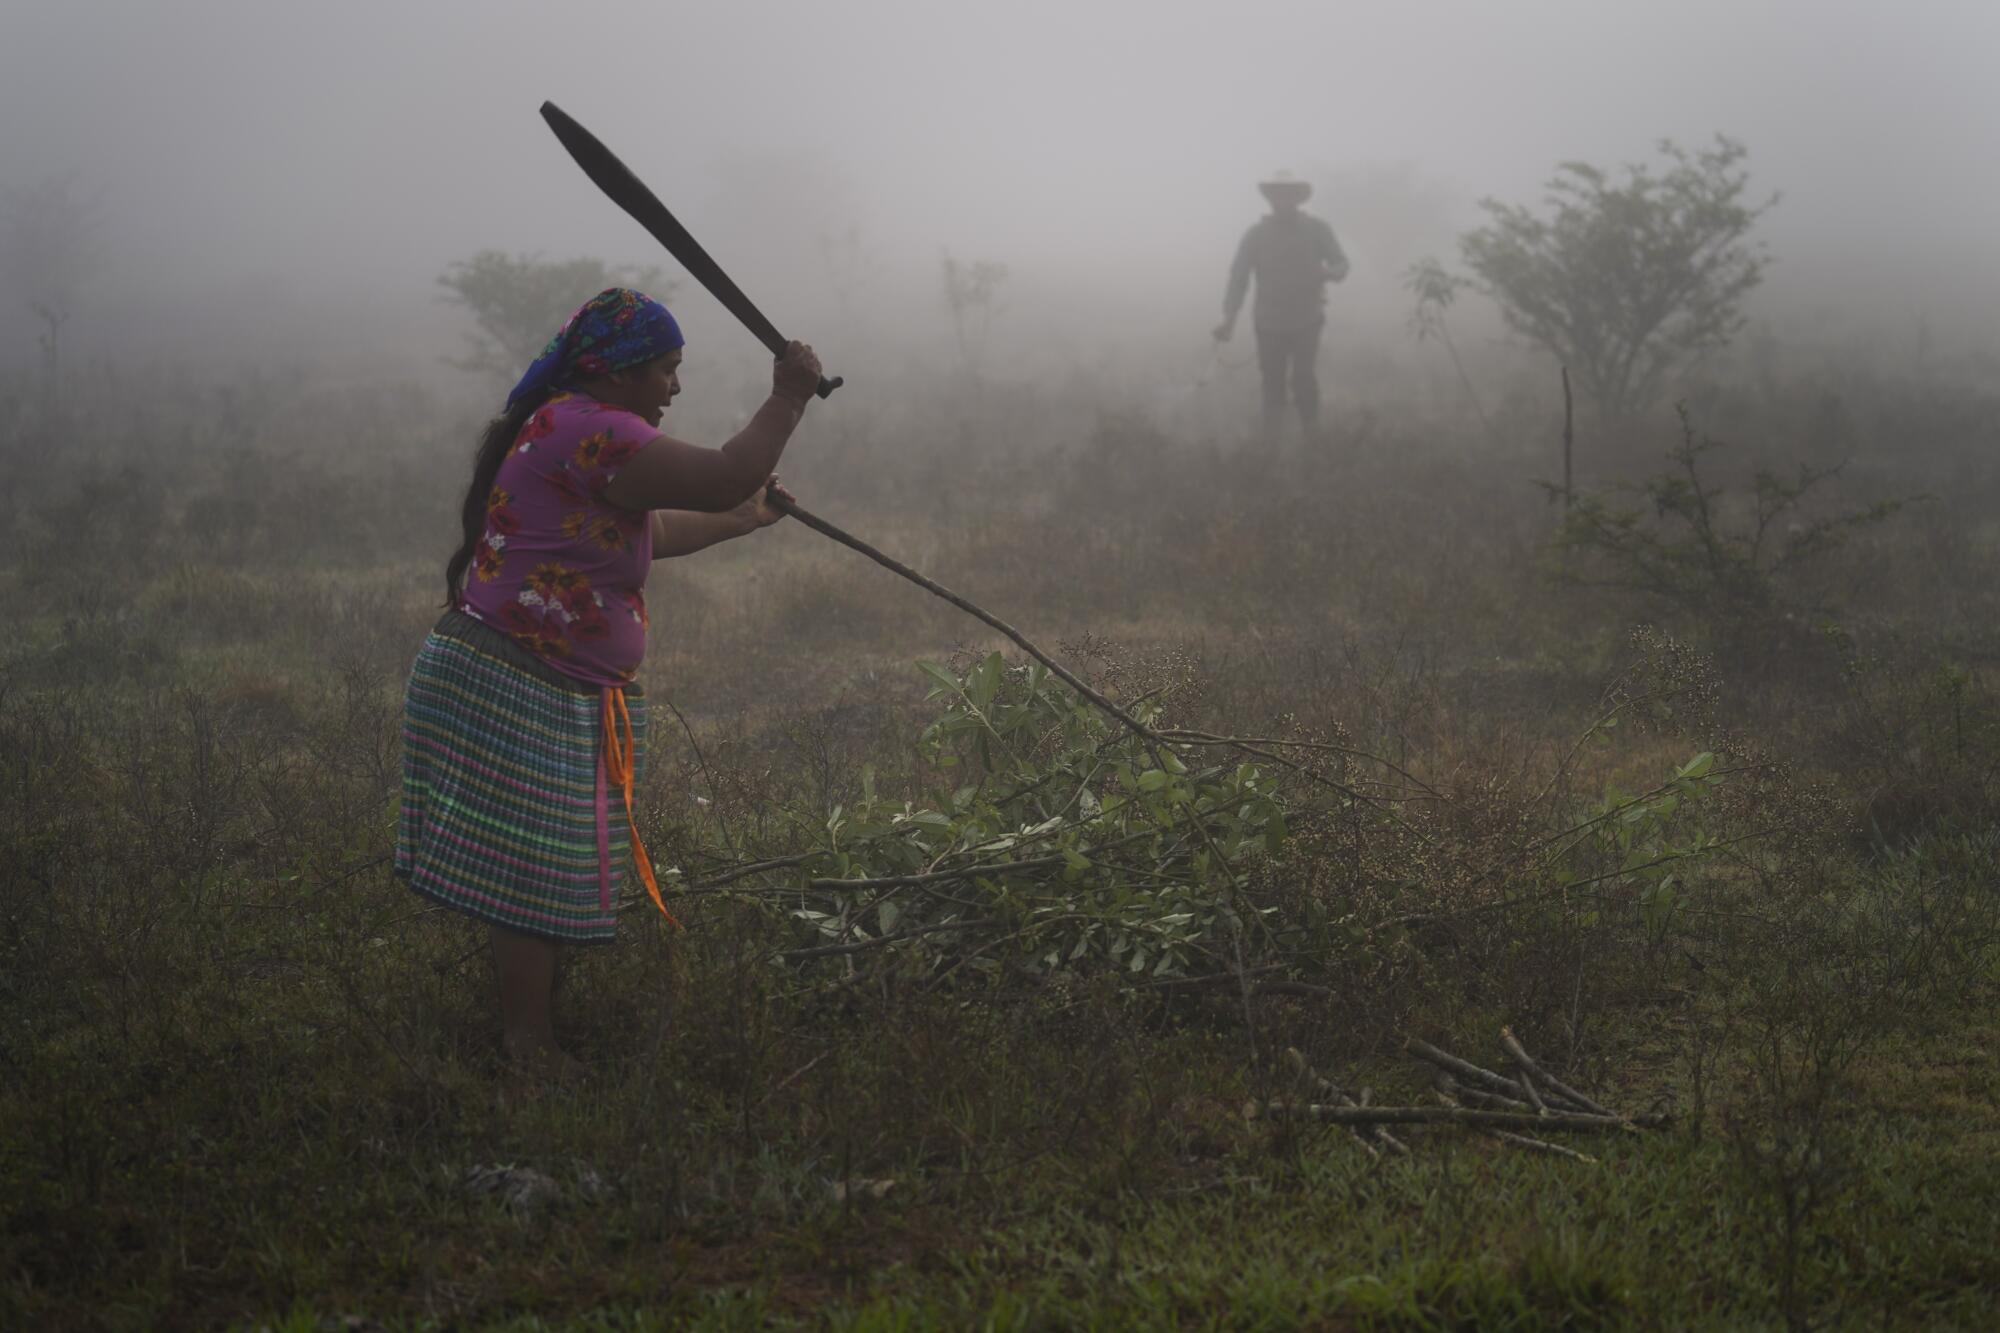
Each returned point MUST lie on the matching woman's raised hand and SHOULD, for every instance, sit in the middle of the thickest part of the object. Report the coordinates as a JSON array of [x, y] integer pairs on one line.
[[797, 374]]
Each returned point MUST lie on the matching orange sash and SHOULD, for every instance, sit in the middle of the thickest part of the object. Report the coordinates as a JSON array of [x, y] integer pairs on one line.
[[618, 768]]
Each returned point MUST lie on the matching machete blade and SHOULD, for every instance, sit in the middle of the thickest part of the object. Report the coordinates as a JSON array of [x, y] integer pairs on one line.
[[631, 194]]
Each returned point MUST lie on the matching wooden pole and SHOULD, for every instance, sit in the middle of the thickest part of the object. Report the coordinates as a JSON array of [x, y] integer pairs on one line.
[[826, 529], [1454, 1115]]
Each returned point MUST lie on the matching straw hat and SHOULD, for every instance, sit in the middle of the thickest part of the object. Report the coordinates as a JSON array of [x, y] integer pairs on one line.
[[1280, 186]]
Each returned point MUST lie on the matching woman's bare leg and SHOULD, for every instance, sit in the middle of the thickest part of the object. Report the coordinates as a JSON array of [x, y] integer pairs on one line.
[[527, 970]]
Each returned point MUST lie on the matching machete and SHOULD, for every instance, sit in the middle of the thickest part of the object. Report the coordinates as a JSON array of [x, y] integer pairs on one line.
[[630, 193]]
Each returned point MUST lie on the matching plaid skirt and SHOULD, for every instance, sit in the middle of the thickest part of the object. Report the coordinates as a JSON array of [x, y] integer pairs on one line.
[[506, 815]]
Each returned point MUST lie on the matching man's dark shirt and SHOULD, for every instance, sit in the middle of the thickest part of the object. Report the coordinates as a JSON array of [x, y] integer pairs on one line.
[[1294, 256]]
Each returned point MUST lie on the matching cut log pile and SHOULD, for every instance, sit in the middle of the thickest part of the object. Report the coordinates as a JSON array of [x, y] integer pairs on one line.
[[1503, 1106]]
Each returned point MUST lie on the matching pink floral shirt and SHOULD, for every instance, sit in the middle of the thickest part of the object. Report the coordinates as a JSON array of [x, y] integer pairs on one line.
[[560, 568]]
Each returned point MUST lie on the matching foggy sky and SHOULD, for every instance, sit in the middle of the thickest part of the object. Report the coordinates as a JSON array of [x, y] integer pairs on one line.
[[273, 156]]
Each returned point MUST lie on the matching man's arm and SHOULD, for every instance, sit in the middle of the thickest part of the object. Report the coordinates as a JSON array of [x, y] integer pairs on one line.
[[1331, 254], [1239, 285]]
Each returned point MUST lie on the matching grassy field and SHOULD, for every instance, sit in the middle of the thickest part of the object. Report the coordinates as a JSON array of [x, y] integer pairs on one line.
[[250, 1081]]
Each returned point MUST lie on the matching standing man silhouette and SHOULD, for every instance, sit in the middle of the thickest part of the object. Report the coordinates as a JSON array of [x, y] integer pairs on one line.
[[1293, 255]]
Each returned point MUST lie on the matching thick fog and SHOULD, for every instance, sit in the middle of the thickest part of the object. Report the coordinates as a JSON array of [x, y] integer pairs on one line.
[[282, 179]]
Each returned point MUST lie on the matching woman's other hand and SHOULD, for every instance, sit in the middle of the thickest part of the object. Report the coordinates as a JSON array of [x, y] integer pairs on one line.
[[797, 374], [758, 511]]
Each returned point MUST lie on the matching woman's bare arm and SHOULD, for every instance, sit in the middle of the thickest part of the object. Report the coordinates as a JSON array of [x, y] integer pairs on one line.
[[667, 473], [683, 532]]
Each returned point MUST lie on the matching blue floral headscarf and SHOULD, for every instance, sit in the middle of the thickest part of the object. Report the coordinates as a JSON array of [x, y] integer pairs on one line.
[[614, 329]]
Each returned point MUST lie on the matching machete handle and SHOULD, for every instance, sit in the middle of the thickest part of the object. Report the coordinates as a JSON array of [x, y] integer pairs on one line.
[[827, 386]]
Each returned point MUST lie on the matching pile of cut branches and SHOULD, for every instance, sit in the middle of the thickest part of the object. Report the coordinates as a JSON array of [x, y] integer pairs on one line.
[[1469, 1096], [1052, 834], [1057, 837]]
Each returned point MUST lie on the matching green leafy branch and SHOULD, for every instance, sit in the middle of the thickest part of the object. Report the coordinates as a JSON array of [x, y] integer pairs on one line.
[[1067, 841]]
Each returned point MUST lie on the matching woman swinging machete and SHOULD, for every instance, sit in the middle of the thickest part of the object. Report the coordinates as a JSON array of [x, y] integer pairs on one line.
[[523, 729]]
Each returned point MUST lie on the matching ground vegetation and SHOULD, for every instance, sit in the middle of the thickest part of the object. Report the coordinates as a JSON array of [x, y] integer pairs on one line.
[[994, 1010]]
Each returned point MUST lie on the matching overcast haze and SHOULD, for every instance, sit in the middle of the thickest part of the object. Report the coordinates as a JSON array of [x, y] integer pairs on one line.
[[262, 161]]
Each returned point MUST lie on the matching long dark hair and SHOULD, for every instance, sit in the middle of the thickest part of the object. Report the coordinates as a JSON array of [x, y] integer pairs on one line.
[[493, 445]]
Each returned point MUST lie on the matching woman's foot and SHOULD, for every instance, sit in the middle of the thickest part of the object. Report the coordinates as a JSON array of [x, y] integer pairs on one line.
[[536, 1056], [526, 967]]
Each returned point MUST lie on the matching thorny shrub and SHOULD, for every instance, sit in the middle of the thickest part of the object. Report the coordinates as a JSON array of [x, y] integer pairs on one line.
[[1917, 733], [1711, 554]]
